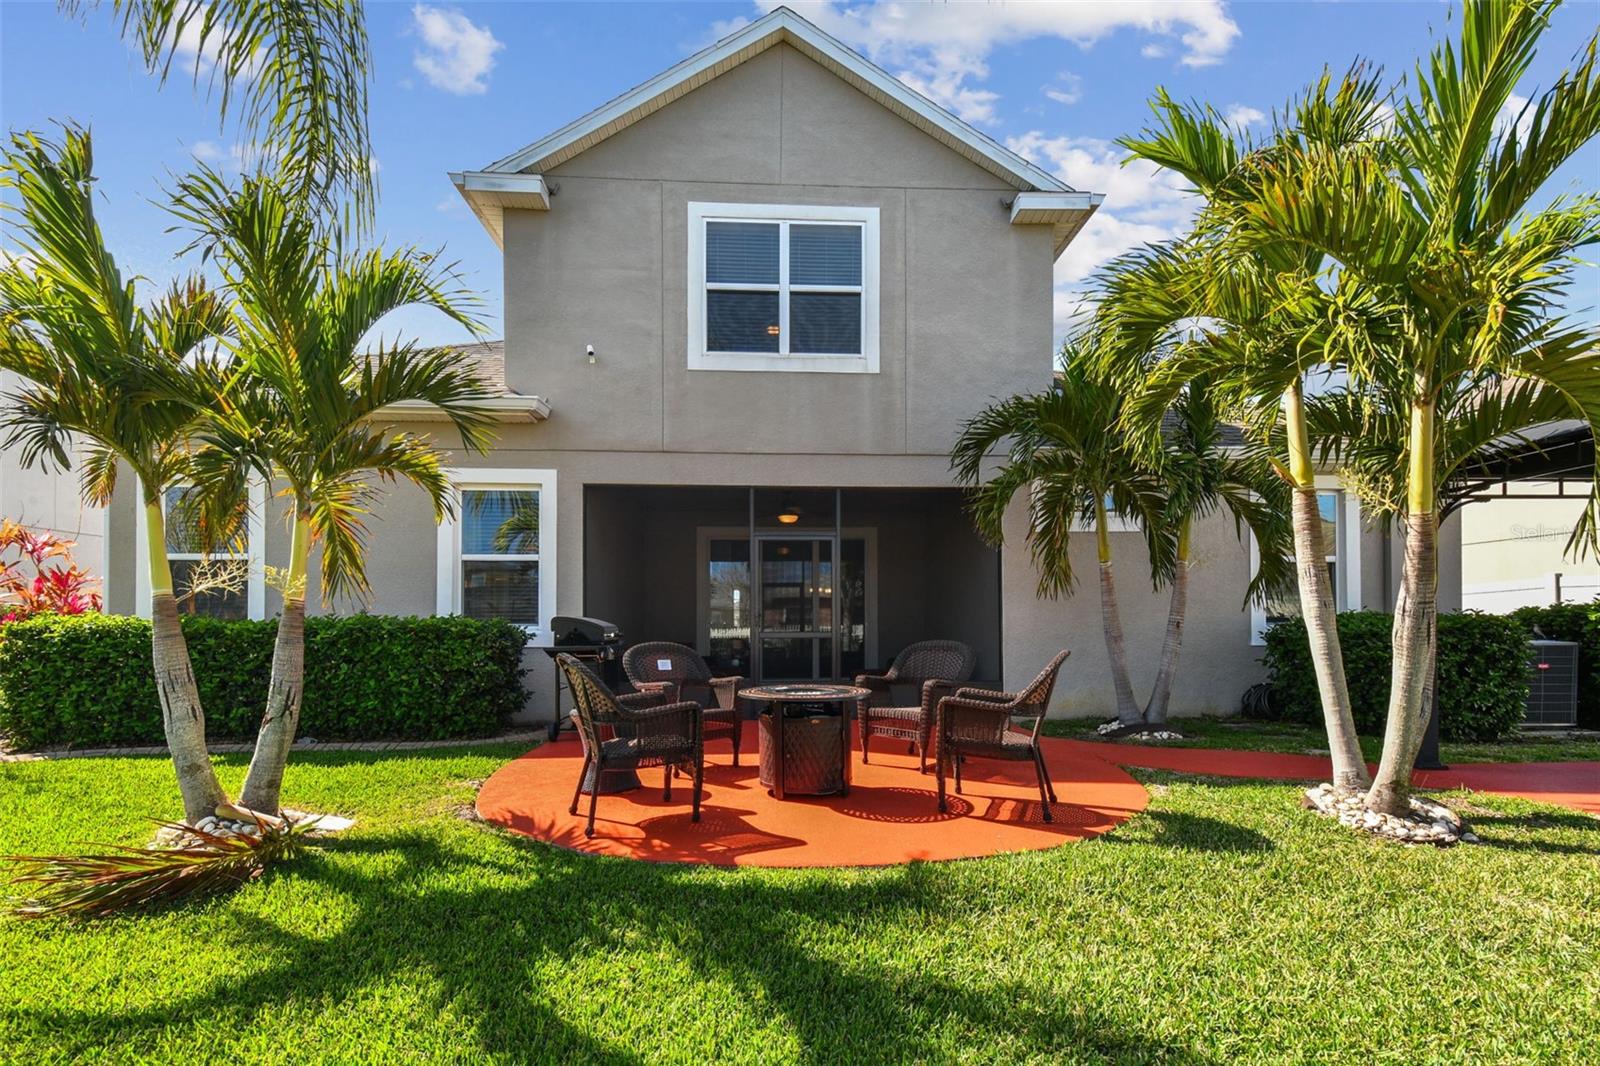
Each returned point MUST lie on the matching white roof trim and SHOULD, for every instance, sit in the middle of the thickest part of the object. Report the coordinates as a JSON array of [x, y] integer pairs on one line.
[[489, 194], [502, 408], [781, 25], [1065, 212]]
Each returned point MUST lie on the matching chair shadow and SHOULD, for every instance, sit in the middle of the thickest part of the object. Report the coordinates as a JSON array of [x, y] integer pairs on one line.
[[907, 806]]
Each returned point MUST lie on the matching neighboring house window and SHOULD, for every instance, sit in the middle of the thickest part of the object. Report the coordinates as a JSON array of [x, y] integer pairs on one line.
[[1341, 538], [783, 288], [497, 555], [231, 577]]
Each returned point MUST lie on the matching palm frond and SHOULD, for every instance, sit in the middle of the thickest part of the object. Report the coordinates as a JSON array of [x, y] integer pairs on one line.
[[122, 879], [295, 76]]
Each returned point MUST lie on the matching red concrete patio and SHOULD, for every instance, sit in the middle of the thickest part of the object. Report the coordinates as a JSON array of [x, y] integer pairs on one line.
[[890, 815]]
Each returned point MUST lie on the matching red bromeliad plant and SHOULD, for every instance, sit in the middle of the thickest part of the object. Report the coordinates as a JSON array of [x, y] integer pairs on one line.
[[57, 585]]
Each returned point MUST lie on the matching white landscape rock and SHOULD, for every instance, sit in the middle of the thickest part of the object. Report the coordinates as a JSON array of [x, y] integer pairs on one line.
[[1429, 822], [177, 837], [1105, 729]]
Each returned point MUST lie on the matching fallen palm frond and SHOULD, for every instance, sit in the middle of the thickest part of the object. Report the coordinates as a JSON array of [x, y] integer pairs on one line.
[[94, 886]]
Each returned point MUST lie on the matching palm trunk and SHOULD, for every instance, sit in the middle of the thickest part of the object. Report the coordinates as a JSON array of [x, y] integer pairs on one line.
[[1416, 613], [182, 718], [1316, 603], [1116, 646], [263, 784], [1155, 712]]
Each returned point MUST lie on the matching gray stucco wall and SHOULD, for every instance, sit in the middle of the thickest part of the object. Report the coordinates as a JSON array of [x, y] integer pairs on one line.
[[965, 297]]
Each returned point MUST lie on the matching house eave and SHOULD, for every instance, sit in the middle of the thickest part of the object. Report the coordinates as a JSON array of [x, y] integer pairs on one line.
[[504, 409], [1064, 212], [489, 193]]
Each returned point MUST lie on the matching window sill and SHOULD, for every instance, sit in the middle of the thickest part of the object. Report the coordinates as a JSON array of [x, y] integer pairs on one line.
[[792, 364]]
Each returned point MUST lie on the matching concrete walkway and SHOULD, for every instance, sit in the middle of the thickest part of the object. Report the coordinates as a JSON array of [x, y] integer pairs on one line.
[[1566, 784]]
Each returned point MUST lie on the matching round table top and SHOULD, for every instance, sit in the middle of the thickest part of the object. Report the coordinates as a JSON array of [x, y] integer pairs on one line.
[[804, 692]]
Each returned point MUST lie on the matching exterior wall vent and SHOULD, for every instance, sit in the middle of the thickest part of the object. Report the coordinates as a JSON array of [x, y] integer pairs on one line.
[[1552, 683]]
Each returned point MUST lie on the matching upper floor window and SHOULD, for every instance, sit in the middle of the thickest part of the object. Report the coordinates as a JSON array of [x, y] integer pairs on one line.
[[783, 288]]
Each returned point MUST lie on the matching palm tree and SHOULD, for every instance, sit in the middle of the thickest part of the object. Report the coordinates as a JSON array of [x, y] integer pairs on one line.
[[1255, 324], [305, 407], [1062, 446], [294, 75], [1433, 232], [1204, 476], [101, 369]]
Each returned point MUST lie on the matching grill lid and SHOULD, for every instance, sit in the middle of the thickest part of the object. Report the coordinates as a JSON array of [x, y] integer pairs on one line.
[[569, 631]]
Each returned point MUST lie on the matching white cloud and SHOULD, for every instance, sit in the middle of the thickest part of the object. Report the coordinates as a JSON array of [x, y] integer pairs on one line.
[[192, 56], [23, 261], [1244, 115], [233, 158], [457, 54], [1514, 113], [1154, 51], [940, 49], [1143, 205], [1068, 88]]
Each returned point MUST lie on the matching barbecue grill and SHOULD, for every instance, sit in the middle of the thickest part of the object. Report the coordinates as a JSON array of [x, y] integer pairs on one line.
[[590, 640]]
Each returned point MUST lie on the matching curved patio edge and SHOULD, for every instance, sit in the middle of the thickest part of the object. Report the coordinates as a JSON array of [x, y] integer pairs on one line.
[[889, 817]]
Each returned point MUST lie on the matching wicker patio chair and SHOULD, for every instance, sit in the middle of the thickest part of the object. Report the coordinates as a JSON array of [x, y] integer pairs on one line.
[[646, 733], [936, 668], [675, 672], [977, 723]]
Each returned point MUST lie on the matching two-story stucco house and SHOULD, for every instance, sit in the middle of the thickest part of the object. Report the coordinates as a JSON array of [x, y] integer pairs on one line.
[[747, 307]]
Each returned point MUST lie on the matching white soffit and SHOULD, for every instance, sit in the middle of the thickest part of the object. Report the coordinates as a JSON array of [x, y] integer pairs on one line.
[[489, 194], [501, 408], [1064, 212]]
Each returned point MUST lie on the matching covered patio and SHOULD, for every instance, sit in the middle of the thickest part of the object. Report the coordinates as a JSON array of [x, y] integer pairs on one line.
[[845, 577]]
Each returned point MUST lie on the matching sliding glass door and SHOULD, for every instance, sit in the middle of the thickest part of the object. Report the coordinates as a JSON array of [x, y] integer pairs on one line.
[[802, 614]]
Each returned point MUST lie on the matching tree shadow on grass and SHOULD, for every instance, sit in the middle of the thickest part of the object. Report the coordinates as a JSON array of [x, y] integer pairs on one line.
[[473, 919], [1196, 832], [1489, 828]]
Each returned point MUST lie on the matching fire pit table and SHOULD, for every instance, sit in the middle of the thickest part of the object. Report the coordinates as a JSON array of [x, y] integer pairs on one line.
[[805, 737]]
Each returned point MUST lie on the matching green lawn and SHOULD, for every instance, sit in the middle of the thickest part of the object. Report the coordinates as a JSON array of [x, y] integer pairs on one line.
[[1222, 925], [1307, 740]]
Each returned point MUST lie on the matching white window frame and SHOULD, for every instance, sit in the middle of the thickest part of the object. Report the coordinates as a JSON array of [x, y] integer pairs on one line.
[[866, 362], [255, 530], [449, 590], [1346, 556]]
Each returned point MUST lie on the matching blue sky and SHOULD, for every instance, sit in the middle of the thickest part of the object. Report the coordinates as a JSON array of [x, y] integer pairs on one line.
[[458, 85]]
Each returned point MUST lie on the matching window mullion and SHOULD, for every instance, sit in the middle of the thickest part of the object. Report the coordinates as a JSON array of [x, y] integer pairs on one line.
[[783, 288]]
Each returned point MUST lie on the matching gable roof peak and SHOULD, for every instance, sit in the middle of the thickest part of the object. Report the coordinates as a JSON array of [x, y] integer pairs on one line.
[[781, 25]]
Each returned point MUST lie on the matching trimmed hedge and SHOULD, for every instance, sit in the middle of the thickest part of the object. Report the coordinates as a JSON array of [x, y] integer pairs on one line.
[[1483, 672], [1579, 623], [87, 681]]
